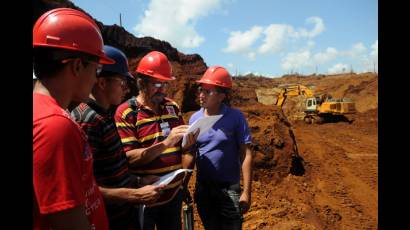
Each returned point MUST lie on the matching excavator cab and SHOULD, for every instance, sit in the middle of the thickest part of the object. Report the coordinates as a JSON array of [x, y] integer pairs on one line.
[[311, 104]]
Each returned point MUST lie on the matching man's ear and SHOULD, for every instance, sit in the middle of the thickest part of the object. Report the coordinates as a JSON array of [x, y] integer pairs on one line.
[[140, 81], [76, 66], [221, 97], [141, 85], [101, 83]]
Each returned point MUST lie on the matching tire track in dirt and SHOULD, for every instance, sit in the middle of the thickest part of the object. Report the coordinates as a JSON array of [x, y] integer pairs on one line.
[[346, 188]]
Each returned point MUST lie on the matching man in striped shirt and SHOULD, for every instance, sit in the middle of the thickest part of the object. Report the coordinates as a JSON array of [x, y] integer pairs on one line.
[[151, 128], [110, 162]]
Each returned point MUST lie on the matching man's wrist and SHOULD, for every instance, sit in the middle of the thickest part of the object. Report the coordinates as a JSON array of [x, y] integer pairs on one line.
[[166, 143], [191, 150]]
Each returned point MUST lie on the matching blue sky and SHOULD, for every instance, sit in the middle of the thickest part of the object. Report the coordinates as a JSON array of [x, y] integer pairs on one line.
[[267, 37]]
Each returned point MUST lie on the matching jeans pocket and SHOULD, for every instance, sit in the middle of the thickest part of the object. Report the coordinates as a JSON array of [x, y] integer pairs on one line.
[[233, 196], [235, 187]]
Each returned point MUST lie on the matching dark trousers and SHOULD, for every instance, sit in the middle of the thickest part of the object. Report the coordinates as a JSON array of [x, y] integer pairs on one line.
[[126, 222], [165, 217], [218, 205]]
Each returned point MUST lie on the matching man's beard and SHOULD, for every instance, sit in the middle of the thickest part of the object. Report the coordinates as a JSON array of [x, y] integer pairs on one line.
[[157, 98]]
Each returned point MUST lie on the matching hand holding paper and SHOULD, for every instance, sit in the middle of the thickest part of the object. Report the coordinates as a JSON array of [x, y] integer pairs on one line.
[[190, 139], [203, 124], [172, 176], [175, 135]]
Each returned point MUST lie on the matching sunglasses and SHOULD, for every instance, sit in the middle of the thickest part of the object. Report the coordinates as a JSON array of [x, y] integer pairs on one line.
[[207, 91], [97, 71]]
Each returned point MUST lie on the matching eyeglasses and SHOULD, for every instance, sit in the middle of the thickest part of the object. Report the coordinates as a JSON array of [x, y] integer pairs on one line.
[[207, 91], [98, 69], [99, 66], [159, 84], [123, 82]]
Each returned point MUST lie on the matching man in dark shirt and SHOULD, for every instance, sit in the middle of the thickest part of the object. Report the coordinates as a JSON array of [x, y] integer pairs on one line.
[[118, 186]]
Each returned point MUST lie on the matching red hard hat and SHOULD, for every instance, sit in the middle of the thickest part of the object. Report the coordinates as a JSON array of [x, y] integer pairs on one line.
[[156, 65], [217, 75], [70, 29]]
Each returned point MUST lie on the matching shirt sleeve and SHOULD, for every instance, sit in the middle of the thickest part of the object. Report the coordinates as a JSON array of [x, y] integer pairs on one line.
[[243, 134], [58, 165], [125, 123]]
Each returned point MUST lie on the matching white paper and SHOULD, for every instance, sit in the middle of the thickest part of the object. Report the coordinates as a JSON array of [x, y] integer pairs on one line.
[[203, 124], [165, 179]]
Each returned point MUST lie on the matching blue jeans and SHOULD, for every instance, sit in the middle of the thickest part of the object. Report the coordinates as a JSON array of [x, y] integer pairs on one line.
[[218, 205], [166, 216]]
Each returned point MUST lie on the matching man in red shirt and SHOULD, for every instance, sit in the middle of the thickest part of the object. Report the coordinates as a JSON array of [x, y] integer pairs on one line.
[[67, 56]]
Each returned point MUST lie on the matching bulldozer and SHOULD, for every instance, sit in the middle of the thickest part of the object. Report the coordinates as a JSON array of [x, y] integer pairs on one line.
[[317, 108]]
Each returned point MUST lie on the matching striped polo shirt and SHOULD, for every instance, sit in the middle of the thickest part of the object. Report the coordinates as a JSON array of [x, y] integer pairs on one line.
[[110, 162], [140, 127]]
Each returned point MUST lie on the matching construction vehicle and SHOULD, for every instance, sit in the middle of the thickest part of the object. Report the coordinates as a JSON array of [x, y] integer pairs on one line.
[[317, 108]]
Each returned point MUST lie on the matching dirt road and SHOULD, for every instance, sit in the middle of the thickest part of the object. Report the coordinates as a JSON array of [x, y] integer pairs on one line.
[[342, 170]]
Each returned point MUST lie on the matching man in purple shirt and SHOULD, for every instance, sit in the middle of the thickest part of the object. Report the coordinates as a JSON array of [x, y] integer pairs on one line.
[[221, 152]]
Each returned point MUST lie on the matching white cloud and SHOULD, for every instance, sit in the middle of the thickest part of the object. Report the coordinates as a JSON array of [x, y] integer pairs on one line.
[[275, 38], [304, 58], [318, 28], [328, 55], [338, 68], [364, 60], [310, 44], [297, 60], [251, 56], [358, 48], [251, 72], [231, 68], [174, 21], [375, 49], [357, 51], [374, 54], [276, 35], [239, 42]]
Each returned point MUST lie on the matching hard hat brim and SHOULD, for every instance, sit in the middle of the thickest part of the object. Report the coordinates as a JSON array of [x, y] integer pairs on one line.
[[212, 83], [129, 75], [106, 60], [158, 76]]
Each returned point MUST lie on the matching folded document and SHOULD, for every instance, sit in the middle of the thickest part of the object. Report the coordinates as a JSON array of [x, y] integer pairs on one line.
[[203, 124], [173, 176]]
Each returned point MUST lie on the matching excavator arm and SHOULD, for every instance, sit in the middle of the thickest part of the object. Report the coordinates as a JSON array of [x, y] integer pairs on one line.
[[293, 90]]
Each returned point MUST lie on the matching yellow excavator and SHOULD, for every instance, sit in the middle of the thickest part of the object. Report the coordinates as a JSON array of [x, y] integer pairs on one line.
[[317, 108]]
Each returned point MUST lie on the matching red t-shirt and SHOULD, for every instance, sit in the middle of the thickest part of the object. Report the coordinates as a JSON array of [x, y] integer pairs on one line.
[[62, 166]]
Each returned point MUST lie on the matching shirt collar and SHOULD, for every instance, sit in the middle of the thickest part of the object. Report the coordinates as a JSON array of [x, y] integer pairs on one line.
[[100, 110], [223, 109]]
